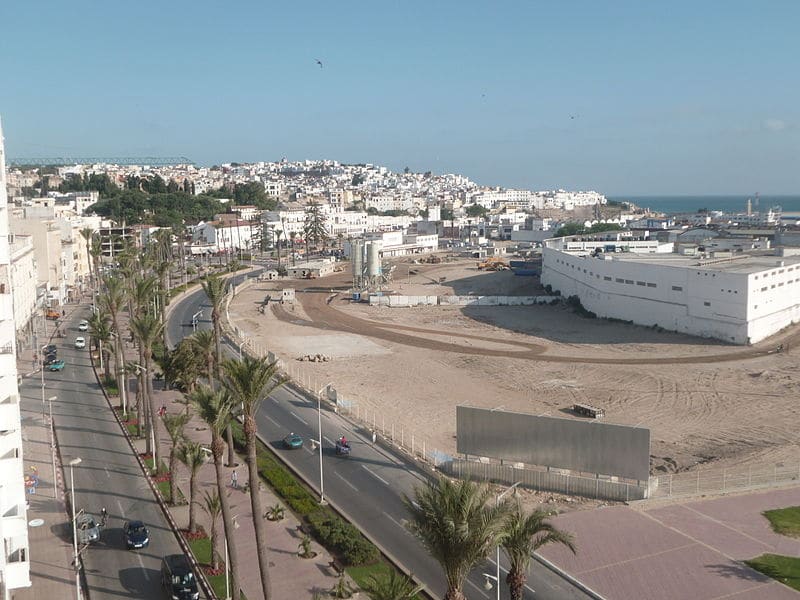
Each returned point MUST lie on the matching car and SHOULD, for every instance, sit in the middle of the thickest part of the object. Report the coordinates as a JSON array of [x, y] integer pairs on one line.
[[49, 359], [83, 326], [136, 535], [80, 342], [50, 349], [177, 577], [87, 528], [293, 441], [56, 366]]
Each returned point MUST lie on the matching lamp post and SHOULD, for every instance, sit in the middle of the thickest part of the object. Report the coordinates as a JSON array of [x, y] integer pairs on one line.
[[227, 571], [497, 555], [73, 463], [52, 441], [319, 442], [41, 369]]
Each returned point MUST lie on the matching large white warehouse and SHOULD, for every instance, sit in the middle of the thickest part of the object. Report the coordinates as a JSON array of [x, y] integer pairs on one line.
[[739, 298]]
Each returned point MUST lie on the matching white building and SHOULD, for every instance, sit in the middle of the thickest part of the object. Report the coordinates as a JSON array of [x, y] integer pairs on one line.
[[14, 551], [233, 235], [23, 286], [740, 298]]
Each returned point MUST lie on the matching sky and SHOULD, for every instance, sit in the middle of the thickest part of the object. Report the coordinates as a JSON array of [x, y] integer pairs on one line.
[[625, 98]]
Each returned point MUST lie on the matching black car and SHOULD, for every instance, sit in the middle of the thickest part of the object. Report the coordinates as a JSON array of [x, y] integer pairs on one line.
[[177, 577], [49, 359], [50, 349], [136, 535]]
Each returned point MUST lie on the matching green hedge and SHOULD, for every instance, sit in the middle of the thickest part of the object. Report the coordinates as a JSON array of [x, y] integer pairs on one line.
[[341, 537]]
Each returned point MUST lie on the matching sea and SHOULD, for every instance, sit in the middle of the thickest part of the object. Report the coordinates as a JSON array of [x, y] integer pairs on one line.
[[728, 204]]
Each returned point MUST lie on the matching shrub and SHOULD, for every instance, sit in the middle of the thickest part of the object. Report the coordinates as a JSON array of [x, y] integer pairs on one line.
[[342, 538]]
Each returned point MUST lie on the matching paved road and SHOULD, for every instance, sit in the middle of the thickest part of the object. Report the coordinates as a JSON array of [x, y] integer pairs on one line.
[[368, 486], [108, 476]]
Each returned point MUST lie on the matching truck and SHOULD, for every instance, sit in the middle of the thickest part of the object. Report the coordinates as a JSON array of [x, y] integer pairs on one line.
[[52, 315], [493, 264]]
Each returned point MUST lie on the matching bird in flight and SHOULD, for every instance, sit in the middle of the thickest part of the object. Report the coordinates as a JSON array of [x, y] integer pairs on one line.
[[573, 116], [319, 62]]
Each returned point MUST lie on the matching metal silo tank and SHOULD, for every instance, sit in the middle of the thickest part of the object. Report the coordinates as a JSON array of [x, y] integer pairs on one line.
[[357, 250], [373, 260]]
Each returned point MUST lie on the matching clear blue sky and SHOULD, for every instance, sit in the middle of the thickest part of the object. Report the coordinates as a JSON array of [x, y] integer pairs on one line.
[[668, 97]]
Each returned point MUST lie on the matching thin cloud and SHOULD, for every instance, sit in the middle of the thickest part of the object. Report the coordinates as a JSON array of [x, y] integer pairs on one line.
[[775, 125]]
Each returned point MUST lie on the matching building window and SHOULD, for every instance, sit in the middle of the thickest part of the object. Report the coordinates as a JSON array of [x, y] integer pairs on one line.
[[618, 280], [706, 303], [606, 278], [677, 288], [641, 283], [651, 285], [629, 281]]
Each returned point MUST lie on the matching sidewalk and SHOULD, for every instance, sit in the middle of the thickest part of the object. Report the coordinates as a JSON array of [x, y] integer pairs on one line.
[[52, 575], [291, 576]]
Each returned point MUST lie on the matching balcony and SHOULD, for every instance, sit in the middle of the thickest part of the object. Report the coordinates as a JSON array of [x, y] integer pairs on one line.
[[11, 469], [9, 417]]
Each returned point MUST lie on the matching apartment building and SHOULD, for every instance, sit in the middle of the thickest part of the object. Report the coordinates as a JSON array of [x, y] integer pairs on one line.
[[23, 286], [14, 551]]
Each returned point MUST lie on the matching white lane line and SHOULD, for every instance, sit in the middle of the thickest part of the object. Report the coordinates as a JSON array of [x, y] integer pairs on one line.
[[273, 421], [395, 521], [328, 440], [107, 473], [141, 564], [275, 400], [309, 450], [375, 475], [493, 563], [482, 592], [347, 482], [299, 418]]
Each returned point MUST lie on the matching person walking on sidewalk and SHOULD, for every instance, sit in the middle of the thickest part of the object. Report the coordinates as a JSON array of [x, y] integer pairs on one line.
[[234, 479]]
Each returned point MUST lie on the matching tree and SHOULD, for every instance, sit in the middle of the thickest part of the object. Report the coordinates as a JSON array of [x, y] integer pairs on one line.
[[394, 586], [112, 300], [203, 343], [174, 425], [191, 454], [457, 526], [314, 229], [447, 214], [214, 287], [249, 381], [476, 210], [87, 233], [215, 408], [100, 333], [213, 508], [147, 329], [524, 534]]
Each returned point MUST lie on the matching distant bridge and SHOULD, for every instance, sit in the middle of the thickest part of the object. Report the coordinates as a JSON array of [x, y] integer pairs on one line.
[[64, 161]]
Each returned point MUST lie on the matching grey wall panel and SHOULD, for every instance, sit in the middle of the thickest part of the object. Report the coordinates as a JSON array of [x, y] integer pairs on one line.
[[588, 446]]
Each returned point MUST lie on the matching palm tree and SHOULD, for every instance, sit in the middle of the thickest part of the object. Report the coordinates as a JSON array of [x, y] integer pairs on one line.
[[215, 408], [191, 454], [100, 333], [186, 365], [249, 381], [147, 330], [203, 343], [133, 367], [211, 506], [87, 233], [214, 287], [394, 586], [174, 425], [457, 525], [524, 534], [112, 300]]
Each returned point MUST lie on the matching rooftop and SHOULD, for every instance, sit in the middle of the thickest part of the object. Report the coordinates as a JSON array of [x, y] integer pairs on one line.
[[752, 262]]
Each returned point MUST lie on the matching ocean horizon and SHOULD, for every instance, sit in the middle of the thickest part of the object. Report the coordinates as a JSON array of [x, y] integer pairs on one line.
[[728, 204]]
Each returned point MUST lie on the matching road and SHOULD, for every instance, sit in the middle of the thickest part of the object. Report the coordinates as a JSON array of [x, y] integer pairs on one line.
[[108, 476], [368, 486]]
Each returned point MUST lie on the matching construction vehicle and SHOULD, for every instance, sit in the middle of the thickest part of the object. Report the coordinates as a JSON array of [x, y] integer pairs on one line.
[[493, 264], [52, 315]]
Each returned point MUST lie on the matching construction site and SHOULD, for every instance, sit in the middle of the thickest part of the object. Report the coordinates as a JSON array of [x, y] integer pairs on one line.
[[706, 403]]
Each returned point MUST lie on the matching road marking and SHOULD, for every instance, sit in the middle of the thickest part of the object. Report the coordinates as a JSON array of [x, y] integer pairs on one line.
[[395, 521], [345, 480], [504, 570], [299, 418], [141, 563], [328, 440], [107, 473], [482, 591], [375, 475], [274, 422], [309, 450]]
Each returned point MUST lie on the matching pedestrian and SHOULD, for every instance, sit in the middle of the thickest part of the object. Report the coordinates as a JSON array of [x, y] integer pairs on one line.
[[234, 479]]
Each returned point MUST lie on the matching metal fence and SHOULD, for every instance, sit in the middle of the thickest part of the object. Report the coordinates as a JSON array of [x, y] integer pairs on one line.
[[720, 481], [547, 481]]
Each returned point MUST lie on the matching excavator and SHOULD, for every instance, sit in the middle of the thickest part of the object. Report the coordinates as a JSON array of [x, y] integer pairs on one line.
[[493, 264]]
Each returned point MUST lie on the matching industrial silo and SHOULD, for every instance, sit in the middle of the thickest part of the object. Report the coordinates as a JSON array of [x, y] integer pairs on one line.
[[357, 250], [373, 260]]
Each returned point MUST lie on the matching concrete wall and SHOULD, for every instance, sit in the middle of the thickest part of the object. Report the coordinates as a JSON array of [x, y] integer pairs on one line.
[[403, 301]]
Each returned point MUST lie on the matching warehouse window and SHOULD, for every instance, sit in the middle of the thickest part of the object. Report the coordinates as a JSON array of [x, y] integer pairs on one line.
[[629, 281], [618, 280], [706, 303], [607, 278], [651, 285], [677, 288], [642, 283]]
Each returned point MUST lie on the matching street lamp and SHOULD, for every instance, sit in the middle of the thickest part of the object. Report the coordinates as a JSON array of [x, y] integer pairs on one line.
[[496, 577], [41, 368], [227, 571], [319, 442], [52, 440], [73, 463]]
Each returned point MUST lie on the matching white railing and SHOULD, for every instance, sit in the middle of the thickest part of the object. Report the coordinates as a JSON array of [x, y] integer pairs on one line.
[[721, 481]]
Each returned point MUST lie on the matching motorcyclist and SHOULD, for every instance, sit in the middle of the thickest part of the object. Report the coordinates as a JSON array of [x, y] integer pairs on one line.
[[343, 441]]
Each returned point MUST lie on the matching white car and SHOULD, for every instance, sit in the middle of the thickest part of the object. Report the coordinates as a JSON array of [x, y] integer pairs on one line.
[[83, 326], [80, 342]]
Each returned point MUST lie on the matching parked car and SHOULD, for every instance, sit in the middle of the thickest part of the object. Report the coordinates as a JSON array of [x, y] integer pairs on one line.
[[49, 359], [52, 315], [136, 534], [56, 366], [83, 326], [293, 441], [80, 342], [87, 528], [50, 349], [177, 577]]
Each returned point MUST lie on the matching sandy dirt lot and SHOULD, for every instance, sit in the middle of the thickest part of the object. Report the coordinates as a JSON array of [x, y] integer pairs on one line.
[[705, 402]]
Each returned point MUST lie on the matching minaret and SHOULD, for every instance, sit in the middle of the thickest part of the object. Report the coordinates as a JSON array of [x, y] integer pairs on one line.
[[15, 555], [749, 207]]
